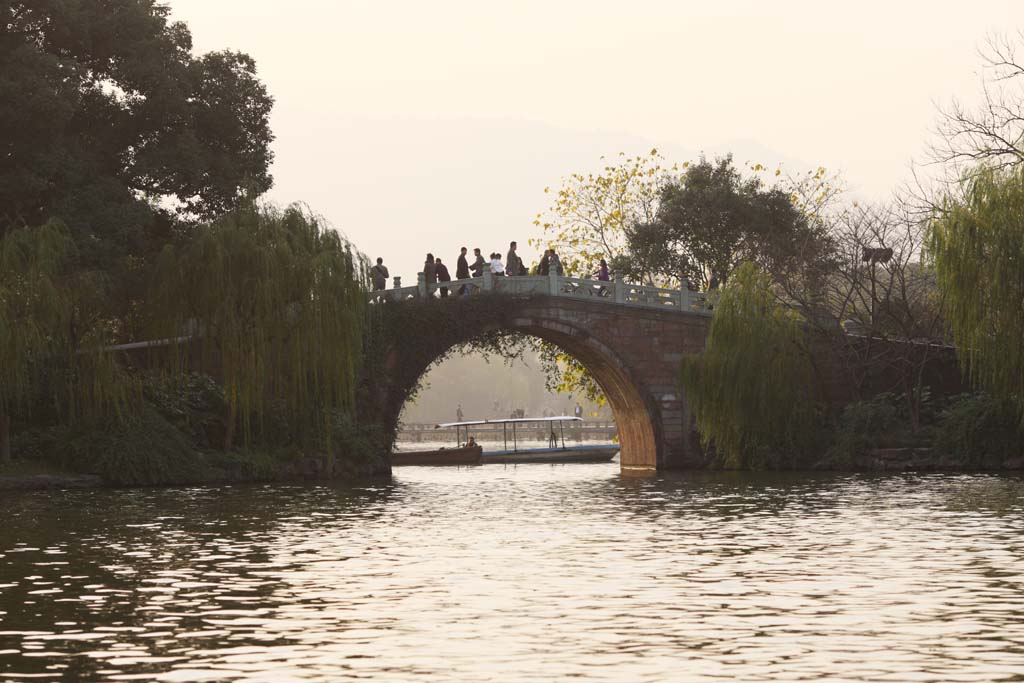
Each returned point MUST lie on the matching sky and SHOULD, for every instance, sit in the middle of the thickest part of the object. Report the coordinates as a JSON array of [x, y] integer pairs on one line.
[[426, 126]]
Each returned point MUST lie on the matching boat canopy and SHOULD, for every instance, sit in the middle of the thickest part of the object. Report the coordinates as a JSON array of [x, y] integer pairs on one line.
[[511, 420]]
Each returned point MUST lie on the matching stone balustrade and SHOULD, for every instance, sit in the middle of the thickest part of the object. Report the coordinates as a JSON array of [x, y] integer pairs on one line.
[[613, 292]]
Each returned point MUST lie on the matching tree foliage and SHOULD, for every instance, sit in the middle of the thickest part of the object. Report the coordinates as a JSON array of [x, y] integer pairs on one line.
[[592, 212], [977, 244], [110, 121], [751, 389], [51, 356], [711, 218], [277, 301]]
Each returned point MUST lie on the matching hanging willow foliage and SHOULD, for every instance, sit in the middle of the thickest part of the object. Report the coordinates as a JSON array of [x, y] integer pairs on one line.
[[977, 244], [49, 358], [277, 303], [751, 388]]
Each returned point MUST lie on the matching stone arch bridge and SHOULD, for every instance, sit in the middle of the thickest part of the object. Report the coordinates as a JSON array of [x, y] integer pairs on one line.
[[631, 338]]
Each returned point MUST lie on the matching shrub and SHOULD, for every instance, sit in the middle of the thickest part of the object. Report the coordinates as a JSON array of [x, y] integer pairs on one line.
[[862, 426], [980, 430]]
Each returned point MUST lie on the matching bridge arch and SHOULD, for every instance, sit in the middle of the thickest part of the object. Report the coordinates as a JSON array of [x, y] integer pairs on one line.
[[632, 353]]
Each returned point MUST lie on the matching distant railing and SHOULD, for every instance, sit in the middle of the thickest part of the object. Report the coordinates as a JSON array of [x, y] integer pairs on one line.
[[612, 292]]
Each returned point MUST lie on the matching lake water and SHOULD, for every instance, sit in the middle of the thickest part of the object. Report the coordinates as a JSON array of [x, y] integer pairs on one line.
[[535, 573]]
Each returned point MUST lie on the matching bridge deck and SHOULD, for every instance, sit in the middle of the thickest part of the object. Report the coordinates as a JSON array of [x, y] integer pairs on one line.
[[615, 292]]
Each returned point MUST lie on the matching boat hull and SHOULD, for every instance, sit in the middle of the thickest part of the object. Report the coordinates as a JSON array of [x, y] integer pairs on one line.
[[552, 455], [444, 456]]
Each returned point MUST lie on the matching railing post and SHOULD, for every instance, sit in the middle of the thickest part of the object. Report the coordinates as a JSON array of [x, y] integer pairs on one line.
[[684, 293], [619, 290], [421, 284], [488, 278], [553, 284]]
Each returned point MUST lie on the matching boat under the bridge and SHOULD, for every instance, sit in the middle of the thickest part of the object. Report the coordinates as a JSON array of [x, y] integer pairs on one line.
[[556, 452]]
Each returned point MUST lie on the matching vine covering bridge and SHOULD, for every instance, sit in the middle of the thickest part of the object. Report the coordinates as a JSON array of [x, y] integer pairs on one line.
[[630, 337]]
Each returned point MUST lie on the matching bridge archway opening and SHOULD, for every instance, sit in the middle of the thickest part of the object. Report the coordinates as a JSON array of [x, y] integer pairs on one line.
[[635, 416]]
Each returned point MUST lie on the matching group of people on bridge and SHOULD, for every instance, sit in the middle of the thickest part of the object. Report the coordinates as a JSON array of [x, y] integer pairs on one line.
[[435, 271]]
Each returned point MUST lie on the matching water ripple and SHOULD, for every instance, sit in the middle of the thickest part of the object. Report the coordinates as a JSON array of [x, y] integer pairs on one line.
[[533, 573]]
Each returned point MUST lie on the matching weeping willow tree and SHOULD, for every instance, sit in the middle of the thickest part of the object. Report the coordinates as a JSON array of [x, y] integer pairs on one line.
[[275, 301], [977, 245], [51, 356], [751, 388]]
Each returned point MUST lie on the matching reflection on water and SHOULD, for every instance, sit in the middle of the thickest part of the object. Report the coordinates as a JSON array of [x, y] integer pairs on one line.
[[512, 574]]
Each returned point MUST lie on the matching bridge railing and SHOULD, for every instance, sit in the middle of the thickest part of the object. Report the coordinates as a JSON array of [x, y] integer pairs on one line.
[[612, 292]]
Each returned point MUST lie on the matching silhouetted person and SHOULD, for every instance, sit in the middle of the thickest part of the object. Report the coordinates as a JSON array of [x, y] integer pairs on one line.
[[429, 272], [513, 264], [544, 267], [555, 263], [462, 270], [379, 274], [478, 263], [441, 271], [602, 275]]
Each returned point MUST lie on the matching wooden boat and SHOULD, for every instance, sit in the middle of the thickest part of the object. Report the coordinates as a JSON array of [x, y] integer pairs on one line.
[[466, 455], [565, 454], [555, 453]]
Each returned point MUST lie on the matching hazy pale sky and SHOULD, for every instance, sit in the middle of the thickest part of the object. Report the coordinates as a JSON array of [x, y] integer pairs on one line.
[[425, 126]]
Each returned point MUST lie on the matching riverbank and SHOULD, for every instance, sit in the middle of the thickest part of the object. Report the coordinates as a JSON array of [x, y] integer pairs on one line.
[[174, 436]]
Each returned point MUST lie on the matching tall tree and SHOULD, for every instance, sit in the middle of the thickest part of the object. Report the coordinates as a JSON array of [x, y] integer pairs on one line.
[[751, 389], [113, 126], [711, 219], [977, 243], [277, 302]]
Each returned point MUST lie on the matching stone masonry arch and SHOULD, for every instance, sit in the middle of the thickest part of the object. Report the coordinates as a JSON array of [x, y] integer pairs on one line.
[[632, 352]]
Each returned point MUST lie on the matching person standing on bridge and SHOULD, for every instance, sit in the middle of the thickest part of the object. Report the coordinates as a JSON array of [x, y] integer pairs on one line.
[[544, 267], [442, 276], [478, 263], [555, 263], [379, 274], [513, 264], [496, 267], [462, 270], [429, 273], [602, 275]]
